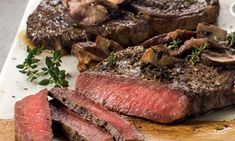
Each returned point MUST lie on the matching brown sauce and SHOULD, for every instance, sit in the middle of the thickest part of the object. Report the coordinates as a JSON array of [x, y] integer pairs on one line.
[[27, 42], [187, 131], [24, 39]]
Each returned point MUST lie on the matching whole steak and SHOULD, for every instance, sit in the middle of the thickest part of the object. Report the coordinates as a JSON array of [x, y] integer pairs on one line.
[[168, 90]]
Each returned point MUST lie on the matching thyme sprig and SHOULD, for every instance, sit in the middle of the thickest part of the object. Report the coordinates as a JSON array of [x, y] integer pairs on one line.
[[57, 76], [190, 1], [194, 58], [112, 59], [175, 44], [52, 69], [230, 40], [30, 64]]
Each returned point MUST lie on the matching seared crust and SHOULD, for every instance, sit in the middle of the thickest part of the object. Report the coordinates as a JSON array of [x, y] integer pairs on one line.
[[50, 24], [177, 14]]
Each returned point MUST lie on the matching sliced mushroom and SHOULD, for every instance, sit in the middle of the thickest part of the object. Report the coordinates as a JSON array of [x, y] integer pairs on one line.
[[116, 2], [188, 46], [180, 34], [158, 56], [211, 32], [87, 54], [218, 59], [107, 46], [169, 37], [87, 12]]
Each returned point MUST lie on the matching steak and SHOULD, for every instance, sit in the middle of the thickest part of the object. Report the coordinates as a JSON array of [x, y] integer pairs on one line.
[[117, 126], [33, 118], [75, 127], [51, 26], [160, 91], [168, 15]]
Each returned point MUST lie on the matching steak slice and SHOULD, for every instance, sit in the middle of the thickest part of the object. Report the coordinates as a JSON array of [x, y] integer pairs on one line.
[[157, 93], [51, 26], [33, 118], [75, 127], [120, 128]]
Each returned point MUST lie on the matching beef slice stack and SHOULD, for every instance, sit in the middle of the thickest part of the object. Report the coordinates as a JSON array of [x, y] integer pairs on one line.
[[76, 116]]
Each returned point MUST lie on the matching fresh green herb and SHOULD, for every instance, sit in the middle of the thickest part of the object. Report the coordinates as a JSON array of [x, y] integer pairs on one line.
[[76, 24], [112, 60], [175, 44], [30, 64], [57, 76], [29, 67], [189, 1], [230, 40], [194, 58]]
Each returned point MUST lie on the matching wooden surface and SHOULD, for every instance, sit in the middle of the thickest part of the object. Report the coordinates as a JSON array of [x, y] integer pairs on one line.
[[11, 13], [187, 131], [7, 130]]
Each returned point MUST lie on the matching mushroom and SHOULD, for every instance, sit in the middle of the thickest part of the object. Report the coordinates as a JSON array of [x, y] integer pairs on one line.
[[169, 37], [188, 46], [87, 12], [107, 46], [87, 54], [218, 59], [116, 2], [158, 56], [211, 32]]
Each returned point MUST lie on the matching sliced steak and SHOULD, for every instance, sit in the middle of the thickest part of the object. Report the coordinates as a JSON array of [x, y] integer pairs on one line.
[[157, 93], [120, 128], [33, 118], [51, 26], [75, 127]]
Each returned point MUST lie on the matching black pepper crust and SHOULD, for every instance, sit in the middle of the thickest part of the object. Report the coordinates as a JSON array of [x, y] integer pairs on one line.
[[51, 26]]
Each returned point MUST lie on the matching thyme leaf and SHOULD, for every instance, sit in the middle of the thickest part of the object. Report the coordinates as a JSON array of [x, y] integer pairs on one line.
[[57, 76], [30, 68], [230, 40], [30, 64], [112, 59], [175, 44], [194, 58]]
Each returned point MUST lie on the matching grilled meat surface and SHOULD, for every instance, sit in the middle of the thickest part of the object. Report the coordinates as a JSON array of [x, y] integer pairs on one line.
[[168, 79], [117, 126], [74, 126], [51, 25]]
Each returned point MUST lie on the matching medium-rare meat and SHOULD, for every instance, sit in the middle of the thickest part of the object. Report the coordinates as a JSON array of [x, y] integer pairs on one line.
[[156, 92], [74, 126], [51, 25], [33, 118], [117, 126]]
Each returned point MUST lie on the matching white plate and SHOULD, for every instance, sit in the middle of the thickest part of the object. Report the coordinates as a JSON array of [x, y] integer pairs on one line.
[[13, 85]]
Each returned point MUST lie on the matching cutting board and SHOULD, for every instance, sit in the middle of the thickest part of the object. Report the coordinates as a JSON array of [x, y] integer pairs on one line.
[[216, 126], [187, 131]]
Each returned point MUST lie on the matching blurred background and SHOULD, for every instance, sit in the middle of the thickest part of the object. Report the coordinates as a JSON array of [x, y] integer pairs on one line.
[[11, 12]]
